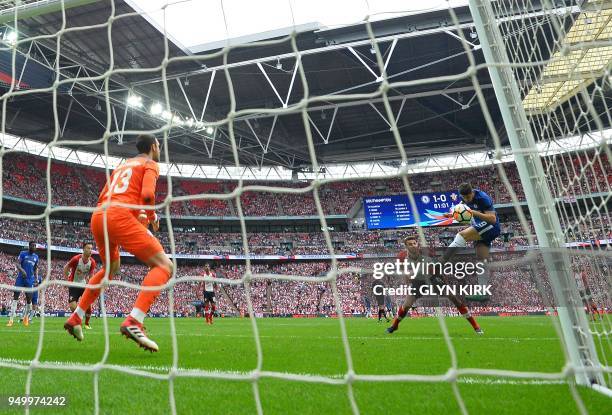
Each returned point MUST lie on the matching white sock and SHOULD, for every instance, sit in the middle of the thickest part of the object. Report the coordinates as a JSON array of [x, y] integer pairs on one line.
[[13, 309], [458, 242], [29, 311], [80, 312], [139, 315], [26, 311]]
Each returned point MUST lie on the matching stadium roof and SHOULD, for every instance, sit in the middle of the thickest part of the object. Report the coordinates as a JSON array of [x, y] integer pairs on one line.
[[198, 26], [440, 116], [460, 160], [570, 70]]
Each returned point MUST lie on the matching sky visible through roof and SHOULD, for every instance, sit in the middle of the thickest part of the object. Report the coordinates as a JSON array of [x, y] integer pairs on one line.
[[192, 23]]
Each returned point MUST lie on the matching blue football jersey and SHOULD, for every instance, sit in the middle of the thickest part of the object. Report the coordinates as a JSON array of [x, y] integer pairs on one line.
[[482, 202], [28, 262]]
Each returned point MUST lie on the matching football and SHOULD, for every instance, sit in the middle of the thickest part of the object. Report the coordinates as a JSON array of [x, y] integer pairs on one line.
[[380, 229], [462, 213]]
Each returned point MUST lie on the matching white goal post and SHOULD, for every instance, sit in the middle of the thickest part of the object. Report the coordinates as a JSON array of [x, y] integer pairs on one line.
[[577, 336], [512, 74]]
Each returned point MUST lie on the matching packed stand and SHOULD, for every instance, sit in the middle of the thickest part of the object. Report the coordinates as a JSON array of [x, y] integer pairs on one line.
[[24, 176], [514, 288], [72, 235]]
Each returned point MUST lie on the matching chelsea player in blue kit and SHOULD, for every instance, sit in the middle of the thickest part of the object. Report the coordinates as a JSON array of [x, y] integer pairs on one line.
[[483, 229], [27, 267]]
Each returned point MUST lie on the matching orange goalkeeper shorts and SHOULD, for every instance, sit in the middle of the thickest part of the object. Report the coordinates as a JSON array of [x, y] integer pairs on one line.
[[123, 230]]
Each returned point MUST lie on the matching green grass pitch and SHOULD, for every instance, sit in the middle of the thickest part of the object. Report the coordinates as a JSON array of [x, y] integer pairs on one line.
[[304, 346]]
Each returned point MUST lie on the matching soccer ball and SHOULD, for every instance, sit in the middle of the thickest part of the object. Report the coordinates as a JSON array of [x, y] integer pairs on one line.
[[462, 213]]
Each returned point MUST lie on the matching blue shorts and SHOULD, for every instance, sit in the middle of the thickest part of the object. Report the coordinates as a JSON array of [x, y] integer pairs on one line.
[[488, 232], [24, 282]]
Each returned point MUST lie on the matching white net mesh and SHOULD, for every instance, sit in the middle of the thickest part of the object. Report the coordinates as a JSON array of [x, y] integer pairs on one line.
[[562, 61]]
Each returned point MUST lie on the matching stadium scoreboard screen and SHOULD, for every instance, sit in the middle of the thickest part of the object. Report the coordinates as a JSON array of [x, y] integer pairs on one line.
[[388, 212]]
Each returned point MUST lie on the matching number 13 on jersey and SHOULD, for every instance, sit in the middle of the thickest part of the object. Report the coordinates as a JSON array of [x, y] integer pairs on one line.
[[121, 181]]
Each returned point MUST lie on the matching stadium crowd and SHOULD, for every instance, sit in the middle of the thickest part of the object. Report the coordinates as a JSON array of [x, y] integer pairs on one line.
[[72, 234], [24, 176], [514, 287]]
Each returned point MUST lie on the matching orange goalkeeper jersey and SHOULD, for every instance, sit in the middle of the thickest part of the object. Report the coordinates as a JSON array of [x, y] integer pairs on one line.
[[132, 182]]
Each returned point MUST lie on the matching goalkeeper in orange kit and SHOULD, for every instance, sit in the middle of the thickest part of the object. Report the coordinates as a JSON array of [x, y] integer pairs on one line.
[[133, 182]]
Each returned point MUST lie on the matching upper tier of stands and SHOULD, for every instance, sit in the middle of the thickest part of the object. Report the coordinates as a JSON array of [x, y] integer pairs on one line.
[[24, 176]]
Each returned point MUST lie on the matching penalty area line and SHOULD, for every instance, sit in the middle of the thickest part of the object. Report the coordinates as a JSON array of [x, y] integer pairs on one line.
[[472, 380], [375, 336]]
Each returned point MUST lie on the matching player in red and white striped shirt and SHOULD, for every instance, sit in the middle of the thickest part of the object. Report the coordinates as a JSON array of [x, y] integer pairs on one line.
[[209, 295], [414, 253], [80, 268]]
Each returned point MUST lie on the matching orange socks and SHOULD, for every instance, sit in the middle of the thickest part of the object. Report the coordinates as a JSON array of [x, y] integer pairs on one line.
[[157, 276], [90, 295]]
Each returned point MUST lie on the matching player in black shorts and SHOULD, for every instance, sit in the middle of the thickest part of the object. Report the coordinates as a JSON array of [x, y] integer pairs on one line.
[[74, 293], [379, 297], [78, 269], [209, 295]]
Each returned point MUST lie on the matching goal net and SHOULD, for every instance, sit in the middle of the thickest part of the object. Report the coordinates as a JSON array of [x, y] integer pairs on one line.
[[558, 70], [549, 65]]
